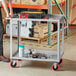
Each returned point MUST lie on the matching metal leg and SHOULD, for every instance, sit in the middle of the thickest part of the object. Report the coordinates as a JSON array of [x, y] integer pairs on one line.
[[11, 39], [58, 49], [18, 40], [63, 35], [18, 34]]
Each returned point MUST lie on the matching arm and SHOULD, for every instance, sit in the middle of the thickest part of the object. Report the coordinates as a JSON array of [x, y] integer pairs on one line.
[[5, 7], [10, 7]]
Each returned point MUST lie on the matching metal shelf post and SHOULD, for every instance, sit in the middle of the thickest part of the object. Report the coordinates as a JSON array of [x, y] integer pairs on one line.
[[67, 18], [49, 23]]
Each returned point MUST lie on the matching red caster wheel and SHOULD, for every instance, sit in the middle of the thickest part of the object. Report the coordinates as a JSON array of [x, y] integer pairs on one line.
[[55, 68], [13, 65], [61, 60], [19, 60]]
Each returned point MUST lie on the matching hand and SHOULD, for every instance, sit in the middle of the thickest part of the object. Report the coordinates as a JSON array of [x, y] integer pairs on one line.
[[11, 14], [8, 15]]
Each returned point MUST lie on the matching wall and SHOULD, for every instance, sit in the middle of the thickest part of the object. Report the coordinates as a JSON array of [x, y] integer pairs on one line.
[[72, 11]]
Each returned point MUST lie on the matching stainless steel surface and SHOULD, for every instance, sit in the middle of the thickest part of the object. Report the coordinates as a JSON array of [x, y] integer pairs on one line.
[[55, 55]]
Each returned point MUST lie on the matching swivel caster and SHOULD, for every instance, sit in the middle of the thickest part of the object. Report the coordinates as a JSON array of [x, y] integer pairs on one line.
[[55, 67], [61, 61], [13, 64], [19, 60]]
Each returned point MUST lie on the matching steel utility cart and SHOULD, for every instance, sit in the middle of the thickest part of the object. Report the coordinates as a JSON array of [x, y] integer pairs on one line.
[[52, 56]]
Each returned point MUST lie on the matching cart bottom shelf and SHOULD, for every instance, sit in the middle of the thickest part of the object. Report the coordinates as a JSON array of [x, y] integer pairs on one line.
[[50, 56]]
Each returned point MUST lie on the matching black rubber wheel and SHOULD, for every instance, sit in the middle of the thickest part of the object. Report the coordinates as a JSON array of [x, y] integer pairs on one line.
[[55, 69], [13, 65], [61, 60], [19, 60]]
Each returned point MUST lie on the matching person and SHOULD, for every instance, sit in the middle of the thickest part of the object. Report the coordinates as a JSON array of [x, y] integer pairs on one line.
[[9, 14]]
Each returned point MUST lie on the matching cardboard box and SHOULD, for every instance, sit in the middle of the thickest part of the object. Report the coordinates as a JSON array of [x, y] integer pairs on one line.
[[40, 31], [16, 1], [33, 2]]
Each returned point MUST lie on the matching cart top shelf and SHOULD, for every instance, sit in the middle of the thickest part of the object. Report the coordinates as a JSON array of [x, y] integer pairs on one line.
[[50, 17], [56, 16]]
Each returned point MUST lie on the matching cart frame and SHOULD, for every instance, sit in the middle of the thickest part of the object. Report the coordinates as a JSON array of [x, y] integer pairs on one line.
[[53, 18]]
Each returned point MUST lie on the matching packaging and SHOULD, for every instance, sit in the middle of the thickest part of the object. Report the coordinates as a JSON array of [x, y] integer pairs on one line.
[[8, 29], [16, 1], [33, 2], [14, 28], [21, 50], [26, 29], [41, 30]]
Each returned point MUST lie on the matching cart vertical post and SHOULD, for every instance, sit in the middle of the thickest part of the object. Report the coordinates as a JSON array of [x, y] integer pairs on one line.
[[58, 46], [11, 38], [18, 34], [63, 35]]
